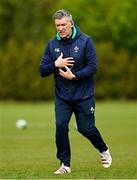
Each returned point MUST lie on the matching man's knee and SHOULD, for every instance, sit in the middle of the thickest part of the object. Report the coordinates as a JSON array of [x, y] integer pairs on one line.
[[61, 126], [86, 130]]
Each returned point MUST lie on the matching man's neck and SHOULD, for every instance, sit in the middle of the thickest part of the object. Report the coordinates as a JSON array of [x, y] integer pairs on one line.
[[68, 37]]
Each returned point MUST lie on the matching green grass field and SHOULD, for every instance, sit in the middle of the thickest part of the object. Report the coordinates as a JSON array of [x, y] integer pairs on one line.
[[31, 153]]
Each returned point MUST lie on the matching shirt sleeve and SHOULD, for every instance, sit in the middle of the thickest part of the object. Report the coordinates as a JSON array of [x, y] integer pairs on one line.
[[91, 62], [47, 66]]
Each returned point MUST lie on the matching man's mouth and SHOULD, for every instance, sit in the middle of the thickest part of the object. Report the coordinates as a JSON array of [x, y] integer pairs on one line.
[[61, 33]]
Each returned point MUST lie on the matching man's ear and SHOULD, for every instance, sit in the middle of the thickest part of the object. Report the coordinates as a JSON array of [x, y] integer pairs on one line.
[[72, 23]]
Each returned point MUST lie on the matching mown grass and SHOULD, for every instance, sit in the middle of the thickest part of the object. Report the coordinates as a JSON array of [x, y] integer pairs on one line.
[[31, 153]]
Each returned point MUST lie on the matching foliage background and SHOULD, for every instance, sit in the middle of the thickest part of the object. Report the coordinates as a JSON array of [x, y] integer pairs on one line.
[[26, 27]]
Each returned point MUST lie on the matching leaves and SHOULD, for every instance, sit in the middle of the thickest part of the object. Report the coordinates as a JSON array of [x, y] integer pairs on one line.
[[27, 26]]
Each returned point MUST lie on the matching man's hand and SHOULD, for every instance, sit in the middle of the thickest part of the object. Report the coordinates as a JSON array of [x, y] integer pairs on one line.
[[67, 74], [62, 62]]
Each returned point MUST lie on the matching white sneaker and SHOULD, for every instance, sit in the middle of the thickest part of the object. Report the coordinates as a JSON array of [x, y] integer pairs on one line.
[[106, 159], [63, 169]]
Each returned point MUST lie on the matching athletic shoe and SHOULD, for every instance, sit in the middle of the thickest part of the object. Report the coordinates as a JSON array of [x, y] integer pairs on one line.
[[106, 159], [63, 170]]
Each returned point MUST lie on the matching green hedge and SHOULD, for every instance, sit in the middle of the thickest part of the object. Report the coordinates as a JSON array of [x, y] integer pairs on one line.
[[117, 73], [19, 75], [20, 79], [26, 27]]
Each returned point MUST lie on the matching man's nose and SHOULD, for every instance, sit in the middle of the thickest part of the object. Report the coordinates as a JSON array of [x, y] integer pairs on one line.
[[60, 28]]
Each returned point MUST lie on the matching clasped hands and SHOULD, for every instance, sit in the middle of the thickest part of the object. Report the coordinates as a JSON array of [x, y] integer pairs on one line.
[[64, 63]]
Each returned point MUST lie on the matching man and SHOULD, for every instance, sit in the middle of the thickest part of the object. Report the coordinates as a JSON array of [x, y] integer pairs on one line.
[[72, 58]]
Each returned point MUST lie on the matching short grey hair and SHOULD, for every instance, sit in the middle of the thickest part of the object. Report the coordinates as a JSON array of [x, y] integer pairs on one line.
[[62, 13]]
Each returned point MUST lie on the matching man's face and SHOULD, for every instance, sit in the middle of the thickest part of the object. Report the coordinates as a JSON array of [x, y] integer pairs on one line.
[[64, 27]]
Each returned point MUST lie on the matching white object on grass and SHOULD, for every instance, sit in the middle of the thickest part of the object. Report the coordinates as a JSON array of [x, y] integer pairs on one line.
[[21, 124]]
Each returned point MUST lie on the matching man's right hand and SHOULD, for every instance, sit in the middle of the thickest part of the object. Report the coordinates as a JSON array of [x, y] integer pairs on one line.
[[62, 62]]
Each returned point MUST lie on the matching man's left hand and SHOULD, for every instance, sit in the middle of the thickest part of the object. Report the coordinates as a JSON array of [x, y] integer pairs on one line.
[[67, 74]]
